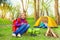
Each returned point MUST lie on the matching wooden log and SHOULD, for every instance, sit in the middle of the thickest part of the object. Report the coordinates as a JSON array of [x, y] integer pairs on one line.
[[51, 33]]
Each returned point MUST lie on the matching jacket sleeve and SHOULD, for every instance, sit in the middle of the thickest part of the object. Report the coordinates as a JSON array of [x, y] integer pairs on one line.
[[14, 27], [18, 22]]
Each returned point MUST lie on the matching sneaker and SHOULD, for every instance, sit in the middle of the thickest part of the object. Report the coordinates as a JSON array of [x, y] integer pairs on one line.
[[19, 35], [14, 35]]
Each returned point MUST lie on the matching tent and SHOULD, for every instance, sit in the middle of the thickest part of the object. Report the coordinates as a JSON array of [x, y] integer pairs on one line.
[[49, 20]]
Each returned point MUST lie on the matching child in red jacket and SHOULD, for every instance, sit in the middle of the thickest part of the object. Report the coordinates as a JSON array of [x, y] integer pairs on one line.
[[20, 25]]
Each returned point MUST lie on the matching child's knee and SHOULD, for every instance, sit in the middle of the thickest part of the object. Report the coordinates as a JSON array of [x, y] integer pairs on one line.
[[28, 25], [24, 24]]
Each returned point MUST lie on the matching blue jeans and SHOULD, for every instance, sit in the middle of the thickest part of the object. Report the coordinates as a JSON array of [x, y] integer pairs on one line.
[[22, 29]]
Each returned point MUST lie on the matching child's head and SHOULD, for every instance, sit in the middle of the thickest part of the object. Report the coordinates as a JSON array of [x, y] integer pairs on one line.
[[44, 19], [23, 16]]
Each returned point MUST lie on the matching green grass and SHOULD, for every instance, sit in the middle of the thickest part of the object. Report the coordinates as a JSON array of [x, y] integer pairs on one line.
[[6, 31], [5, 21]]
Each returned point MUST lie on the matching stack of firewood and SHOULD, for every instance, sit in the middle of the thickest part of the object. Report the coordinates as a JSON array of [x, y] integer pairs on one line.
[[51, 33]]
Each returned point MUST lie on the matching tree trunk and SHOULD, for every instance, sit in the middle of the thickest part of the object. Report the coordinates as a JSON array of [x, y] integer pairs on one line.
[[35, 13], [57, 12], [47, 12], [42, 8], [24, 7], [36, 8]]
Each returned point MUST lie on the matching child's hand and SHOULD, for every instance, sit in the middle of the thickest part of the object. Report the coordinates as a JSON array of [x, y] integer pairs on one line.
[[22, 23], [17, 28]]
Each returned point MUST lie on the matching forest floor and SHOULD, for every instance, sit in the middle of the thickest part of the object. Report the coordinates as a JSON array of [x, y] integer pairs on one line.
[[6, 32]]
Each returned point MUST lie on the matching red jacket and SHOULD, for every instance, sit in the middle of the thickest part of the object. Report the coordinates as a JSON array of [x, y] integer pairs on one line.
[[17, 23]]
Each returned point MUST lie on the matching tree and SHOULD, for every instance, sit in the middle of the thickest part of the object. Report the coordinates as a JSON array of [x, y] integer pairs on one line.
[[26, 5], [36, 9], [57, 12], [35, 14], [45, 7], [42, 10], [38, 6]]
